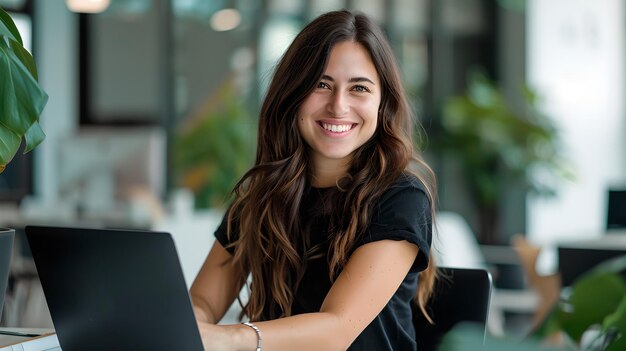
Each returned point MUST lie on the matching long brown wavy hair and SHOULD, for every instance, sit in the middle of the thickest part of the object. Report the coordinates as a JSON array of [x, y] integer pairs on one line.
[[268, 197]]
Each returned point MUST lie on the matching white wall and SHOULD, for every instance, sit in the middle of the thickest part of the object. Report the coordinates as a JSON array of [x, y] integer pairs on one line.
[[576, 59]]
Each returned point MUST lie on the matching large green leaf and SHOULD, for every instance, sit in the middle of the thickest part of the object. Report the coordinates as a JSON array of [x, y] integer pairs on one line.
[[22, 99], [34, 136], [593, 298], [617, 320], [8, 28], [9, 143], [25, 57]]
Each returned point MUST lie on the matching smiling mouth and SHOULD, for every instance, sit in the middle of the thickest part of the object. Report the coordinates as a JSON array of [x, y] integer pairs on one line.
[[337, 128]]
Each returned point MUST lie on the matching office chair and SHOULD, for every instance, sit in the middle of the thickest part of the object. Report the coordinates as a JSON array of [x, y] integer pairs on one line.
[[460, 295]]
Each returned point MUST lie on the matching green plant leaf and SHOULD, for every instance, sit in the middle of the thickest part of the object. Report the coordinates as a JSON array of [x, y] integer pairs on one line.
[[25, 57], [593, 298], [22, 99], [8, 28], [34, 136], [9, 143], [617, 321]]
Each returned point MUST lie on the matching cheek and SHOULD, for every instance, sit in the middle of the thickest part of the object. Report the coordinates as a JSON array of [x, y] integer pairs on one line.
[[301, 125]]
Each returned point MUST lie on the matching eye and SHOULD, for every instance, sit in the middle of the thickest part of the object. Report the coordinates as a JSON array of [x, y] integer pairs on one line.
[[360, 89], [322, 85]]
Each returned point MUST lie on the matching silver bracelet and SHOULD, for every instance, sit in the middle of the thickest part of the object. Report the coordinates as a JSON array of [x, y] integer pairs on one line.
[[258, 334]]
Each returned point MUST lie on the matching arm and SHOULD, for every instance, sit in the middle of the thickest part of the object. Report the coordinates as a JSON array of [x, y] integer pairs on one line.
[[368, 281], [215, 287]]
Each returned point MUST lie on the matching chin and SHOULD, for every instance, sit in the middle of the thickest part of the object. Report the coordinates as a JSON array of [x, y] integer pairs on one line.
[[337, 156]]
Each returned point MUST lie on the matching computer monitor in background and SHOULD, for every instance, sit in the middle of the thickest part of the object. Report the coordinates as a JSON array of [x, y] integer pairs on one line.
[[575, 260], [616, 209]]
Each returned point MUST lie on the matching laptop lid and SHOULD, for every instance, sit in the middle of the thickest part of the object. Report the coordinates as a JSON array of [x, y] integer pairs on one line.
[[114, 289]]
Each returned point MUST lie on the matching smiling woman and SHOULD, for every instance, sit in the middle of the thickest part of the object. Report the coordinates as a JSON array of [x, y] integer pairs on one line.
[[334, 221]]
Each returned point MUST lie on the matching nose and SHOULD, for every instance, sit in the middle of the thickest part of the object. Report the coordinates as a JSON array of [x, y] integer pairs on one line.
[[338, 105]]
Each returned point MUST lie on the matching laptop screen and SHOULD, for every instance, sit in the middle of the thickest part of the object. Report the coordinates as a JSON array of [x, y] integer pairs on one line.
[[114, 289]]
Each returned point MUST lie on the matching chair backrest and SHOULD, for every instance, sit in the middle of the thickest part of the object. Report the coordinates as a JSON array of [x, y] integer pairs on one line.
[[461, 295], [455, 243]]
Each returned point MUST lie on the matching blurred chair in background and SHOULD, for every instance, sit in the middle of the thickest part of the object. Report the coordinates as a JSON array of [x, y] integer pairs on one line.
[[461, 295], [456, 245]]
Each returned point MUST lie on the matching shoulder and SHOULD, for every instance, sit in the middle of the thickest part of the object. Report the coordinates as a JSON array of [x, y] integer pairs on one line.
[[407, 187], [403, 212], [409, 181]]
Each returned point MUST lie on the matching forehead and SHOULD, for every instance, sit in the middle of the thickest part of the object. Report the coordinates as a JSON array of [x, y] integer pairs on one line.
[[351, 59]]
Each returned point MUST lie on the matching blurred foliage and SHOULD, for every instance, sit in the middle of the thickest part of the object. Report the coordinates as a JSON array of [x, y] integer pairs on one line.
[[494, 142], [591, 316], [471, 337], [592, 312], [21, 97], [214, 148], [513, 5]]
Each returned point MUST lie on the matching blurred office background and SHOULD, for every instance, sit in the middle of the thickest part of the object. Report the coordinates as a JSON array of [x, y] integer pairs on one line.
[[153, 107]]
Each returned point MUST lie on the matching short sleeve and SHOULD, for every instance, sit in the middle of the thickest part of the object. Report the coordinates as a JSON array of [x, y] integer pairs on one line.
[[403, 213], [221, 234]]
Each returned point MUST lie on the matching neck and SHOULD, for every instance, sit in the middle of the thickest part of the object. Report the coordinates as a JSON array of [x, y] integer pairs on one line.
[[326, 173]]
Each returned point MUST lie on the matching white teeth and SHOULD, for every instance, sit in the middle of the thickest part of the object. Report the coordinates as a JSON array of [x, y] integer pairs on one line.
[[337, 128]]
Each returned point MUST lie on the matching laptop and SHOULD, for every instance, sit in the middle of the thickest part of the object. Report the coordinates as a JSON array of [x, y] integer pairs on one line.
[[111, 289]]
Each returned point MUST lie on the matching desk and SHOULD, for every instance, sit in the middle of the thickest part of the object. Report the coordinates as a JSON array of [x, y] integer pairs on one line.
[[577, 257], [46, 342]]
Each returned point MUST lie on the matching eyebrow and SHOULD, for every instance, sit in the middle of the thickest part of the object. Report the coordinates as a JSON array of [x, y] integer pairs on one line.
[[352, 80]]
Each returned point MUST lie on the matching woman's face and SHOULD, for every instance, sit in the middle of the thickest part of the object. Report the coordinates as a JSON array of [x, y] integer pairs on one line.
[[341, 113]]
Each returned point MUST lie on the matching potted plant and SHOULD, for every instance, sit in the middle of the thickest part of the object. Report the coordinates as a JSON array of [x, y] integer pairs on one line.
[[492, 142], [21, 102], [214, 148]]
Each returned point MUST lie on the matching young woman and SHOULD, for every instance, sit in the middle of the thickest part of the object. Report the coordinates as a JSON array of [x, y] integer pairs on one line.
[[333, 222]]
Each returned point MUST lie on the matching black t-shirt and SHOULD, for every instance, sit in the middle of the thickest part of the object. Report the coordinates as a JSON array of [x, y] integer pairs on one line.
[[401, 213]]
